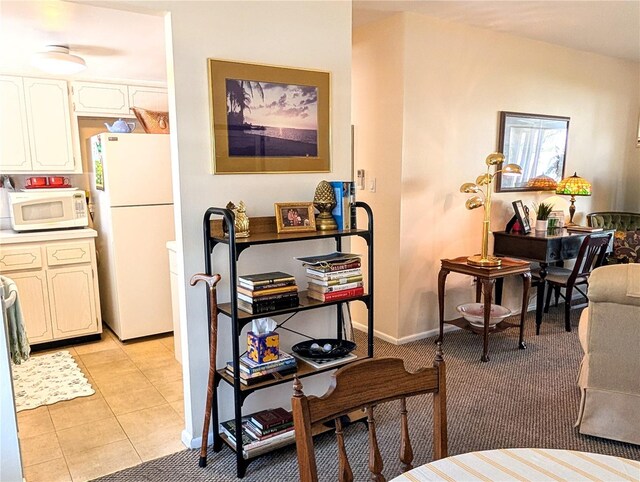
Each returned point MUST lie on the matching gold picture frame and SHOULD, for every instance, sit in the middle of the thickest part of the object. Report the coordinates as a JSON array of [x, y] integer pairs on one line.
[[295, 217], [268, 119]]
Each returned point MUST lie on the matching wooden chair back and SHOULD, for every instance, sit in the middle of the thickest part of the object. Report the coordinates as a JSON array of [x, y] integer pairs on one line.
[[363, 385], [591, 255]]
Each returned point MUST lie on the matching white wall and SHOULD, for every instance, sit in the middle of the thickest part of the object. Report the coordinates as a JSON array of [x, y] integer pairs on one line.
[[314, 35], [455, 81], [378, 145]]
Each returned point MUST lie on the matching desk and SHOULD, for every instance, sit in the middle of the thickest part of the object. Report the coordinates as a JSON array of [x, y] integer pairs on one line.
[[525, 465], [486, 277], [542, 248]]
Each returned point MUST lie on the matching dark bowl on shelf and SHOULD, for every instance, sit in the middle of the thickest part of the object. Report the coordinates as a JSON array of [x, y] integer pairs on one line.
[[339, 348]]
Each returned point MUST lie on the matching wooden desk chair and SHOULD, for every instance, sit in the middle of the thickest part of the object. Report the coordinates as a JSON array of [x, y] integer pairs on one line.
[[590, 256], [364, 384]]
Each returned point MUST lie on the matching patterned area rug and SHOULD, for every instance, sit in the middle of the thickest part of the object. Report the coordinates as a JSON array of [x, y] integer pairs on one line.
[[47, 379]]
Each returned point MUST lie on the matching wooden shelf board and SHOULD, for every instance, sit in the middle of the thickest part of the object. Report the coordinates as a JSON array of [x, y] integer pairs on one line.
[[465, 325], [354, 416], [306, 303], [263, 232], [304, 370]]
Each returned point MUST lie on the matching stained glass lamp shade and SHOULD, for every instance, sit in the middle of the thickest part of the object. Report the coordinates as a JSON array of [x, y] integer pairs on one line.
[[543, 183], [574, 186]]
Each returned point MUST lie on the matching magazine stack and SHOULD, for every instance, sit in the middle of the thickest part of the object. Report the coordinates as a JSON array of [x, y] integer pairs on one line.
[[265, 292], [335, 276], [261, 431]]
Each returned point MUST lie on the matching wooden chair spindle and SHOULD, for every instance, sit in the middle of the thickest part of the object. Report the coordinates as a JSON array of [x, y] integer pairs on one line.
[[375, 459], [406, 451], [345, 474]]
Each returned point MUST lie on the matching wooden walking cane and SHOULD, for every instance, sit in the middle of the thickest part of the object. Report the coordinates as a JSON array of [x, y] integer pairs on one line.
[[212, 281]]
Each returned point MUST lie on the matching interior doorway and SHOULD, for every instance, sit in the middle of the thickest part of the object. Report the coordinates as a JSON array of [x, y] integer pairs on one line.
[[136, 409]]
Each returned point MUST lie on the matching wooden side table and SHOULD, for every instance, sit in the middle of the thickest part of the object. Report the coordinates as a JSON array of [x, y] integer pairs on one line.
[[486, 278]]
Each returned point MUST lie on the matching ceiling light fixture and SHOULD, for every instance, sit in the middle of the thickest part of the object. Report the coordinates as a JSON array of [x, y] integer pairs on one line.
[[56, 59]]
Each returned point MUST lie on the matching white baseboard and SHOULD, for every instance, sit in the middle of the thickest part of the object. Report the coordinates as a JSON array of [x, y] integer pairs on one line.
[[447, 328], [191, 442], [404, 339]]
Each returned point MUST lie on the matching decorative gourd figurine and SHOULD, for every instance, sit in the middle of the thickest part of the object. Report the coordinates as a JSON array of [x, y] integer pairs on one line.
[[120, 126], [324, 201], [242, 221]]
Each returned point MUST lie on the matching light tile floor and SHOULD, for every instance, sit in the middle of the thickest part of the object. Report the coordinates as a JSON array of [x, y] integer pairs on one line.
[[135, 415]]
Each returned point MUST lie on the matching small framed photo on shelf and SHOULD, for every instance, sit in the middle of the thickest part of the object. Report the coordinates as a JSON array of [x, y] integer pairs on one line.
[[522, 213], [295, 217]]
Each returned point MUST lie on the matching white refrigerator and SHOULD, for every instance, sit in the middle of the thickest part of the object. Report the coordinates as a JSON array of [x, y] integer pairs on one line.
[[133, 214]]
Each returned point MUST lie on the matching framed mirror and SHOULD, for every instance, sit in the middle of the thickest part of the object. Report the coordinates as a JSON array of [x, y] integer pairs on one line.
[[538, 144]]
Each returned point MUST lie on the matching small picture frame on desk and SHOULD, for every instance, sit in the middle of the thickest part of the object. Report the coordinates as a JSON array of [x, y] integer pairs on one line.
[[295, 217], [522, 213], [559, 215]]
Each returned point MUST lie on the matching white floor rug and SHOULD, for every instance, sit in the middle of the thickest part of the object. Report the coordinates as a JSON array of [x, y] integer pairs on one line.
[[47, 379]]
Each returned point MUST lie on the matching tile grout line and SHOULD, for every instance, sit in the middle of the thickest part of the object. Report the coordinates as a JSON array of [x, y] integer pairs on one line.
[[64, 457], [134, 411], [166, 402]]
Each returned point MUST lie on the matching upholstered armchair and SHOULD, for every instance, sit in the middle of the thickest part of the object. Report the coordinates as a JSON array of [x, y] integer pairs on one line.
[[609, 376], [626, 241]]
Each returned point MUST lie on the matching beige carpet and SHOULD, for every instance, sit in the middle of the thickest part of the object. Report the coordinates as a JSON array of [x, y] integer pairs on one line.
[[521, 398]]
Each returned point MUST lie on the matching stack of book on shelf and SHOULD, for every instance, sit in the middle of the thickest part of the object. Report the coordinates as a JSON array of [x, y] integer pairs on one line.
[[265, 292], [252, 372], [335, 276], [261, 431]]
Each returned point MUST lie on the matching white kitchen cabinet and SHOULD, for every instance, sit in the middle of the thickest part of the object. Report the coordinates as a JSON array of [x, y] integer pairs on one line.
[[14, 134], [34, 300], [72, 315], [115, 100], [49, 123], [35, 135], [96, 98], [57, 284], [150, 98]]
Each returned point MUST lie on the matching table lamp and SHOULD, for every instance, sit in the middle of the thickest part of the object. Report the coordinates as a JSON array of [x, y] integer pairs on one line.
[[542, 183], [573, 186], [473, 202]]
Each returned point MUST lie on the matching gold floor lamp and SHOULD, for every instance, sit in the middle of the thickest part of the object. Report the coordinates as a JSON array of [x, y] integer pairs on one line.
[[483, 186]]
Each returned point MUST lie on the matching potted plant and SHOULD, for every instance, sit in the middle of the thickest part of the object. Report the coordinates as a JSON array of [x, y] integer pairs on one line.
[[542, 215]]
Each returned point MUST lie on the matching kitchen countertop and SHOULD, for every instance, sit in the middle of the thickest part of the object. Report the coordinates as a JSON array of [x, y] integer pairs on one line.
[[8, 236]]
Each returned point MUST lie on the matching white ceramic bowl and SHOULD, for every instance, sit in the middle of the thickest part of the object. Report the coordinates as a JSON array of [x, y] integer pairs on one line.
[[474, 314]]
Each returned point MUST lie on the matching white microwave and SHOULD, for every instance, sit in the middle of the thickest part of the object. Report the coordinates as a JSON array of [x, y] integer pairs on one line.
[[55, 209]]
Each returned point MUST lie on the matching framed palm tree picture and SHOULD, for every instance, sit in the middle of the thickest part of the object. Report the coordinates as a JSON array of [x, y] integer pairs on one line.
[[268, 119]]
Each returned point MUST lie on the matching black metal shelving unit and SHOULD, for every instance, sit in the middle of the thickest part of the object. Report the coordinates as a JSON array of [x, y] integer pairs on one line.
[[238, 318]]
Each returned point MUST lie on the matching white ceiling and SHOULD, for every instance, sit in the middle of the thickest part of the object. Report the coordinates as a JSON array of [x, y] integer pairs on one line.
[[127, 45], [114, 43], [608, 27]]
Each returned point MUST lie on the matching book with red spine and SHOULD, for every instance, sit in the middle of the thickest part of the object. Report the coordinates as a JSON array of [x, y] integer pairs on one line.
[[266, 419], [337, 295]]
